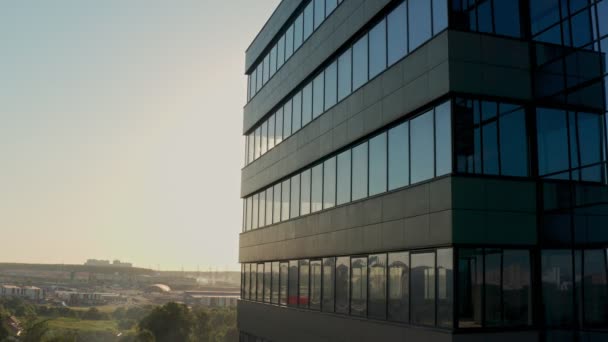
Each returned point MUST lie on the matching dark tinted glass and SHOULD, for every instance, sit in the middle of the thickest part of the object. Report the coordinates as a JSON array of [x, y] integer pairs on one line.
[[377, 286], [398, 287], [318, 95], [470, 288], [517, 298], [360, 63], [329, 275], [358, 296], [422, 148], [304, 288], [289, 42], [377, 49], [595, 288], [292, 299], [330, 6], [297, 112], [345, 74], [247, 282], [308, 20], [440, 15], [271, 130], [331, 85], [316, 194], [307, 104], [443, 135], [397, 33], [419, 22], [278, 134], [552, 141], [298, 33], [329, 183], [305, 192], [493, 260], [557, 277], [506, 18], [377, 165], [489, 133], [342, 285], [319, 12], [445, 292], [287, 114], [274, 298], [284, 279], [344, 177], [513, 143], [281, 52], [359, 172], [398, 156], [423, 289], [315, 284]]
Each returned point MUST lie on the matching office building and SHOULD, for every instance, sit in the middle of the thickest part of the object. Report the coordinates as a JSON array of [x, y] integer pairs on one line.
[[426, 170]]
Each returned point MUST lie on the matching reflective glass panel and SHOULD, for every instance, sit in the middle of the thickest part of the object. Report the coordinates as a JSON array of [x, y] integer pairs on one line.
[[318, 95], [295, 196], [305, 192], [345, 74], [360, 63], [304, 280], [377, 49], [315, 284], [344, 177], [398, 156], [358, 297], [419, 22], [359, 172], [377, 165], [398, 286], [342, 285], [292, 299], [377, 286], [422, 148], [329, 183], [329, 275], [274, 297], [331, 85], [423, 288], [397, 33]]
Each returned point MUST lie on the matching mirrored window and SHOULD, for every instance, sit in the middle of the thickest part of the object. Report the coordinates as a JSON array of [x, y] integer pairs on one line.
[[305, 192], [308, 20], [315, 284], [345, 74], [276, 216], [377, 165], [287, 113], [283, 279], [398, 156], [318, 95], [304, 280], [397, 33], [419, 22], [267, 281], [254, 215], [422, 148], [443, 135], [329, 183], [297, 112], [307, 104], [319, 12], [274, 296], [329, 275], [285, 200], [377, 49], [342, 285], [298, 33], [360, 63], [423, 288], [377, 286], [293, 286], [331, 85], [344, 177], [358, 297], [317, 188], [359, 172], [295, 196]]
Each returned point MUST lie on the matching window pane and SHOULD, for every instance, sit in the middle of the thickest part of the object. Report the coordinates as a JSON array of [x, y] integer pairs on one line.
[[316, 201], [377, 164], [359, 172], [298, 33], [360, 63], [251, 146], [273, 60], [276, 217], [278, 126], [423, 289], [440, 15], [248, 225], [595, 288], [398, 286], [506, 18], [345, 74], [398, 156], [274, 297], [284, 280], [516, 288], [287, 111], [297, 112], [266, 69], [318, 95], [281, 52], [377, 49], [271, 138], [489, 133], [259, 76], [308, 20], [295, 196], [258, 135], [260, 287], [319, 12], [342, 284], [377, 286], [315, 285], [513, 144], [445, 294], [422, 148], [247, 282], [269, 204], [470, 288], [443, 135], [557, 277], [305, 192], [292, 299], [289, 42], [331, 85], [267, 281], [467, 117], [343, 191], [329, 183], [329, 274], [590, 138], [552, 141], [330, 6], [254, 215], [493, 280], [358, 300], [264, 138], [303, 296], [307, 104], [262, 209], [419, 22], [397, 33], [285, 201], [254, 282], [602, 12]]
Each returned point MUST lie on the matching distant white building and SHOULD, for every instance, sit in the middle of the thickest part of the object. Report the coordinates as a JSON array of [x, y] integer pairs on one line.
[[29, 292]]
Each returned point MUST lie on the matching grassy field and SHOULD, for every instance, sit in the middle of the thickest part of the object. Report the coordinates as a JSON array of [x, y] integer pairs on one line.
[[62, 323]]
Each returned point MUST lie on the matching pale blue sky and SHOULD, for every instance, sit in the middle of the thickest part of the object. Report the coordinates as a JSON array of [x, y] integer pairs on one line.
[[120, 129]]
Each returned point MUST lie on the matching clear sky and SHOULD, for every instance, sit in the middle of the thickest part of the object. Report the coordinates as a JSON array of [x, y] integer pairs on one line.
[[120, 129]]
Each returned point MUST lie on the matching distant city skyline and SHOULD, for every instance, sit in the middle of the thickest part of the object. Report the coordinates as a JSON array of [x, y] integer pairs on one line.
[[119, 130]]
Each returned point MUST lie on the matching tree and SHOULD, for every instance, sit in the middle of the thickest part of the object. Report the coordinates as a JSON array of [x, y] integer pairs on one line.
[[145, 336], [201, 331], [93, 314], [170, 322]]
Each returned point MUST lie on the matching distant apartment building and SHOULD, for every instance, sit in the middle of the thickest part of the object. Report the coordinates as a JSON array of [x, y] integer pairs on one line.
[[213, 299], [28, 292], [106, 263], [426, 170]]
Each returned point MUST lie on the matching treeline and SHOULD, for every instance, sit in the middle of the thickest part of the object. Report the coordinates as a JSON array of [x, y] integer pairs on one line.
[[171, 322]]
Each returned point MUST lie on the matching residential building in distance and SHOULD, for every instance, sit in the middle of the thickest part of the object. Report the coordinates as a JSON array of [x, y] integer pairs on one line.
[[29, 292], [426, 170]]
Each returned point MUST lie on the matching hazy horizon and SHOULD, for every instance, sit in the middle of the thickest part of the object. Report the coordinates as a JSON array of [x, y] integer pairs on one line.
[[120, 130]]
